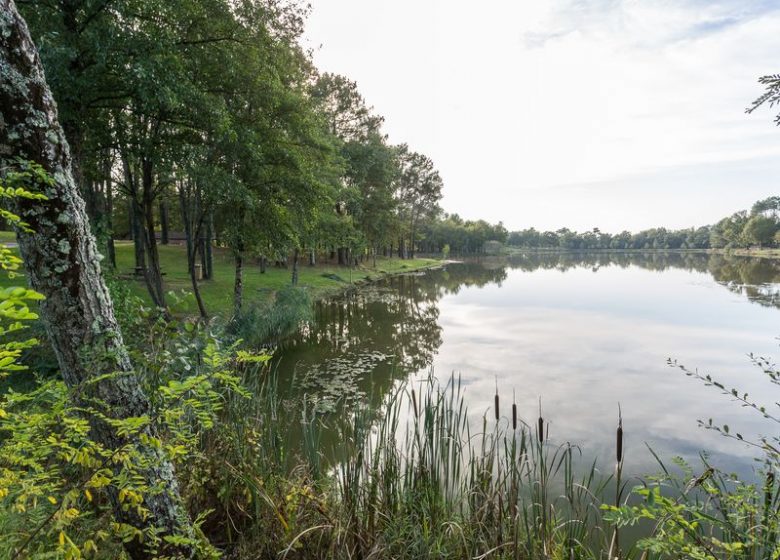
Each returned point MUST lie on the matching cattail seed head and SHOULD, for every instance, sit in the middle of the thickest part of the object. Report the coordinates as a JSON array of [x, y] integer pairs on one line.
[[619, 442], [496, 406], [414, 404], [514, 416], [541, 430]]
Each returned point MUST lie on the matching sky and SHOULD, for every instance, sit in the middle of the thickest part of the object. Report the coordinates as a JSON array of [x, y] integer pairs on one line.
[[614, 114]]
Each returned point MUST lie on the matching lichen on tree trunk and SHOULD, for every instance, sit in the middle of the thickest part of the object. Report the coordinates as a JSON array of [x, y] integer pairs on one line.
[[62, 262]]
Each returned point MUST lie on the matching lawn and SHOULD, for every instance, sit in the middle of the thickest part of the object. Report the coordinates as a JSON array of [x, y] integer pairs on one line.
[[218, 292]]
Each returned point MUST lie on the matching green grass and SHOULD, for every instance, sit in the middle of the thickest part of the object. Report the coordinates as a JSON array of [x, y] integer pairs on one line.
[[217, 293]]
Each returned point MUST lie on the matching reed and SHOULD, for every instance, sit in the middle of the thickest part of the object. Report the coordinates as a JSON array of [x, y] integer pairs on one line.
[[412, 480]]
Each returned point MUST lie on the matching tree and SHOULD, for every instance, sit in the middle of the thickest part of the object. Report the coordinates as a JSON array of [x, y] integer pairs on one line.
[[769, 207], [347, 114], [760, 230], [418, 192], [372, 168], [62, 263]]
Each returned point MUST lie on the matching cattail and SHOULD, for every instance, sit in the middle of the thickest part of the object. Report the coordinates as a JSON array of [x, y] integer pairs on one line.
[[495, 400], [541, 422], [414, 404], [619, 443], [514, 416]]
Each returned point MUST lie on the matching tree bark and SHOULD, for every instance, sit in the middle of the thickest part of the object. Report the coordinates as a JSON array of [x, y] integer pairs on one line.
[[139, 235], [295, 267], [413, 236], [209, 270], [110, 249], [193, 222], [136, 219], [153, 270], [164, 222], [238, 284], [61, 260], [202, 250]]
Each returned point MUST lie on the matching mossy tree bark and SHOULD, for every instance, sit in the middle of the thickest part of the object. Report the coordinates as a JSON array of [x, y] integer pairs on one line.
[[62, 262]]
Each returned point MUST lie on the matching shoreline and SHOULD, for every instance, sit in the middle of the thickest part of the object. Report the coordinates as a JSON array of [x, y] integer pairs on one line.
[[758, 253]]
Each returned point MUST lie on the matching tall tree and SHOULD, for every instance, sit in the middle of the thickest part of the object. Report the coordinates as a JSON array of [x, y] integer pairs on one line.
[[419, 193], [61, 261]]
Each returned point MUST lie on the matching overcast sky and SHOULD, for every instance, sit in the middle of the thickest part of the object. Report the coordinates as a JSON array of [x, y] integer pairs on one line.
[[605, 113]]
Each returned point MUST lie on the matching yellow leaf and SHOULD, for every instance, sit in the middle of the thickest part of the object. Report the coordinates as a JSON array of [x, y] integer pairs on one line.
[[53, 500], [88, 494], [62, 538]]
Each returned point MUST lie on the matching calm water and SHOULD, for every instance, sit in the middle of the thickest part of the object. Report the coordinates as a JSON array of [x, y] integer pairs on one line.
[[583, 332]]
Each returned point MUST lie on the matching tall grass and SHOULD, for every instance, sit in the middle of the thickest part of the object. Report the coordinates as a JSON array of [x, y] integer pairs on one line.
[[268, 321], [412, 480]]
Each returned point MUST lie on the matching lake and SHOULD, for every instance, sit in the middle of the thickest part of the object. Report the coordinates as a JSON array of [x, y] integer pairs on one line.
[[585, 333]]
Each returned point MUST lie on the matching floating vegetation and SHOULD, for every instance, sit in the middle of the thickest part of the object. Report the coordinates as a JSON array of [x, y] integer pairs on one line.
[[336, 382]]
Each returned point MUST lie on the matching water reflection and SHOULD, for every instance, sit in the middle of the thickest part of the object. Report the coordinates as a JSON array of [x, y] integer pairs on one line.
[[583, 331], [364, 341]]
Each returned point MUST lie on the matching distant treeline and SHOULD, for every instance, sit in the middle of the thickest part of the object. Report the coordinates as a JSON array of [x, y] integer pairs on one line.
[[760, 227]]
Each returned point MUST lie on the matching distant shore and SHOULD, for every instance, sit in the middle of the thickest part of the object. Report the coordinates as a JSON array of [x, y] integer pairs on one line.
[[761, 253]]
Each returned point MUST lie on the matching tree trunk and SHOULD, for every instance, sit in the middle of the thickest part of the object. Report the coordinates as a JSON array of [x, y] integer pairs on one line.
[[263, 263], [138, 238], [164, 222], [202, 250], [130, 220], [154, 271], [110, 249], [295, 267], [413, 238], [192, 221], [209, 240], [61, 260], [312, 257], [238, 284], [136, 218]]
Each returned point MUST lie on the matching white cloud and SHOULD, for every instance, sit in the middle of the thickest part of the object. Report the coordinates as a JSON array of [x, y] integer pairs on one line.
[[514, 99]]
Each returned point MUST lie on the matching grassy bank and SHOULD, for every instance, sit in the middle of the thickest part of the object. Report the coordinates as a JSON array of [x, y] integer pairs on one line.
[[320, 280]]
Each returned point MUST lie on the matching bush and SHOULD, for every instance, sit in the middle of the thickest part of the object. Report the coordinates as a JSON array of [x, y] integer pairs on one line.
[[264, 323]]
